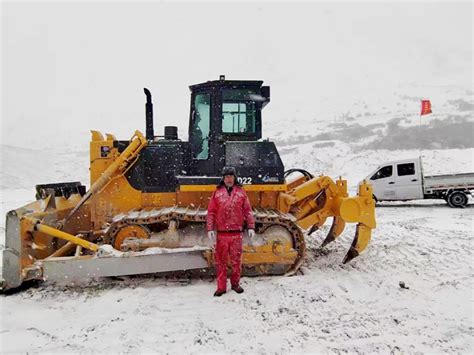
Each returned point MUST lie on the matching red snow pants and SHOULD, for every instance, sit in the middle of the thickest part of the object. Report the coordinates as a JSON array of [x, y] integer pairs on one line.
[[228, 245]]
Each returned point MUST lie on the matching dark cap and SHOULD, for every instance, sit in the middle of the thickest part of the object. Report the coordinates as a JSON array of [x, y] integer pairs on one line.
[[229, 170]]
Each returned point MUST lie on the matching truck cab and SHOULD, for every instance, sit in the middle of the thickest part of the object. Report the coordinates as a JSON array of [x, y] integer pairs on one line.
[[398, 180]]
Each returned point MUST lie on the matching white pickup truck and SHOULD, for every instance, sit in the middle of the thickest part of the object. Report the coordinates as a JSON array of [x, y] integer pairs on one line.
[[404, 180]]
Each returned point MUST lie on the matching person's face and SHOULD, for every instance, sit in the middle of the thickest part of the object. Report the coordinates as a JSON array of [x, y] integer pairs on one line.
[[229, 180]]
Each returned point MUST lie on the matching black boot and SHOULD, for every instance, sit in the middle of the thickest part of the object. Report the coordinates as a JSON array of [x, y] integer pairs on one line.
[[238, 288], [218, 293]]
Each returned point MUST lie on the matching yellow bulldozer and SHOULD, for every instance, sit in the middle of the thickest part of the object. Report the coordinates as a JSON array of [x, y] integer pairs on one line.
[[145, 211]]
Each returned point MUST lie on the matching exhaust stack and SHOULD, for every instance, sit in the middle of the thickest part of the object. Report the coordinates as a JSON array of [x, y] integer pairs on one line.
[[150, 134]]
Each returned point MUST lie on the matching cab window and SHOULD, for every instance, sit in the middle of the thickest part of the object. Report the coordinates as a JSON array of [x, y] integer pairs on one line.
[[384, 172], [406, 169], [201, 119], [238, 111]]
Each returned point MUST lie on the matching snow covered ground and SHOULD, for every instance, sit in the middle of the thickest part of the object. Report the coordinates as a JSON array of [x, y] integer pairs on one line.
[[356, 308]]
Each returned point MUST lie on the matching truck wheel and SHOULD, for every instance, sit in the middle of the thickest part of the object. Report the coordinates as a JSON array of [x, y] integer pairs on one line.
[[457, 199]]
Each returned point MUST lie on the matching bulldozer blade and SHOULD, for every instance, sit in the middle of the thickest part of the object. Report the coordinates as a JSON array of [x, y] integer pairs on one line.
[[360, 242], [11, 258], [338, 225], [75, 270]]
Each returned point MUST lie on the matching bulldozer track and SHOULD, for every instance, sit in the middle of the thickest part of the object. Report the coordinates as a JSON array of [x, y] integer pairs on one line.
[[264, 218]]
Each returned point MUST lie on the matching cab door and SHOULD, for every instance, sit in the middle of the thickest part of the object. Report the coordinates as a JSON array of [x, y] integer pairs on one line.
[[200, 129], [408, 181], [383, 183]]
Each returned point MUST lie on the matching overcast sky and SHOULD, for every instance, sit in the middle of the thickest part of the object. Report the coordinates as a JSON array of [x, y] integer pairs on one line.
[[67, 68]]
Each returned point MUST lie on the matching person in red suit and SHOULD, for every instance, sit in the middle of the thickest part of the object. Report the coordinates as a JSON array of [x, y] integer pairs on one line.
[[228, 210]]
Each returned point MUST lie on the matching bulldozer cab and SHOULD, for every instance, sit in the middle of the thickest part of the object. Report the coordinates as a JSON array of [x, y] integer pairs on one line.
[[225, 128], [224, 111]]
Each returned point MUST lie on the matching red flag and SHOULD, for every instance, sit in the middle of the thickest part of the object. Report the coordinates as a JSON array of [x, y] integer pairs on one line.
[[425, 107]]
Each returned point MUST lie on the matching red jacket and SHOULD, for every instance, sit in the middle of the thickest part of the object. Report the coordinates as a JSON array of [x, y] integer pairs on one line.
[[229, 212]]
